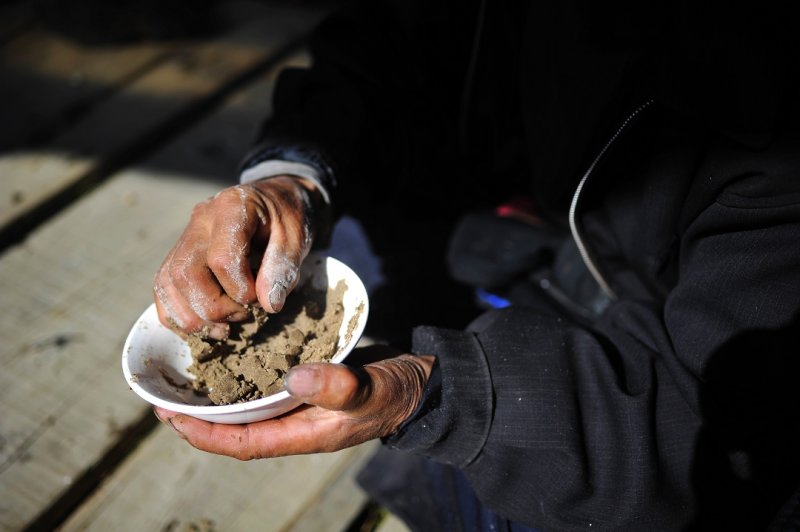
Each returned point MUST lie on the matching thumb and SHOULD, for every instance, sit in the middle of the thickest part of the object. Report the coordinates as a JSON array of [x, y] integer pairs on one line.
[[330, 386], [278, 274], [391, 388]]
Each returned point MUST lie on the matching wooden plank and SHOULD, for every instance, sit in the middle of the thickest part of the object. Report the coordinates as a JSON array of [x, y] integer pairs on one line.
[[214, 147], [47, 80], [340, 501], [27, 177], [70, 294], [147, 112], [180, 487]]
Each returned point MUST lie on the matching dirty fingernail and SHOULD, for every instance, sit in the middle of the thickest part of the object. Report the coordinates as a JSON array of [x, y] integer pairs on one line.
[[304, 381], [171, 424], [219, 331], [174, 427], [277, 296], [238, 316], [165, 420]]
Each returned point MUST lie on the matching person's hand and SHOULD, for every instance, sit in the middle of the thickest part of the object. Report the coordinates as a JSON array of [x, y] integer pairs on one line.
[[207, 278], [346, 406]]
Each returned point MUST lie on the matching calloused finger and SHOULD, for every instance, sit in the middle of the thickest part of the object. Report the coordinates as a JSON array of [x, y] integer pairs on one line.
[[175, 312], [280, 268], [190, 275], [188, 272], [242, 214], [206, 297]]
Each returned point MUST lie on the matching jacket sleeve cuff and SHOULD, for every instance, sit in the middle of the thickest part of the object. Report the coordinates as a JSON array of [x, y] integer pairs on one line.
[[270, 159], [453, 420], [272, 168]]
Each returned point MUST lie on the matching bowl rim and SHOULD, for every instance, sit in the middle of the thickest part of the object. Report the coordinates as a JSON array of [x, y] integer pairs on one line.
[[257, 404]]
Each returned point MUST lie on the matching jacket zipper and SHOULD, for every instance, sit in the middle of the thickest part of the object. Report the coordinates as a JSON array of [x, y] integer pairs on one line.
[[573, 208]]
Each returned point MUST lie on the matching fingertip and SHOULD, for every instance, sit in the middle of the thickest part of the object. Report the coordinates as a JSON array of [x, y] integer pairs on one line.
[[262, 296], [272, 295], [304, 381], [219, 331], [277, 296], [236, 317], [277, 275], [165, 416], [330, 386]]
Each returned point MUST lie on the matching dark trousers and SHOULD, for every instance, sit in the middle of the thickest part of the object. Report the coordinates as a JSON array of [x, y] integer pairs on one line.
[[429, 496]]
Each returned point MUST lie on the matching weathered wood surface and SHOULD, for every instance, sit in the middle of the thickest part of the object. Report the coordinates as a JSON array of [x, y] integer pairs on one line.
[[339, 504], [48, 81], [167, 485], [161, 94], [70, 293]]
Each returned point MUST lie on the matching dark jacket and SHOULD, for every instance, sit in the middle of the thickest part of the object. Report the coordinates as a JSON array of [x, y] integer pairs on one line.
[[678, 405]]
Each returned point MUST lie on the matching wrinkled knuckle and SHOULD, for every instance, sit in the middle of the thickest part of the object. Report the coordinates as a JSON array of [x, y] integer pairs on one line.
[[230, 192], [232, 195], [246, 191], [409, 367], [219, 261], [200, 210], [239, 195], [215, 313], [177, 273], [236, 269], [190, 323]]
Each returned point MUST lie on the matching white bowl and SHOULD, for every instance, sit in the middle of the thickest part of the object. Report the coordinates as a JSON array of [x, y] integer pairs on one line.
[[155, 359]]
